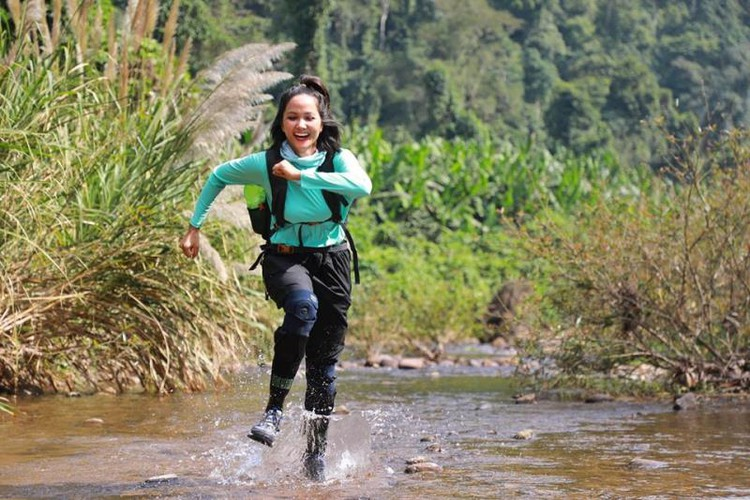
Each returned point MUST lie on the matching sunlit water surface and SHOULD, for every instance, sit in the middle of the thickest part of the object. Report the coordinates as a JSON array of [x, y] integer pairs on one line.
[[464, 421]]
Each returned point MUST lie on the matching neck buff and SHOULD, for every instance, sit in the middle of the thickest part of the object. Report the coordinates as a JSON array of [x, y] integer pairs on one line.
[[314, 160]]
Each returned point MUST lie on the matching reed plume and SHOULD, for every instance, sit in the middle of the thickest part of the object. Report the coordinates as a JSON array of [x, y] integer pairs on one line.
[[237, 84]]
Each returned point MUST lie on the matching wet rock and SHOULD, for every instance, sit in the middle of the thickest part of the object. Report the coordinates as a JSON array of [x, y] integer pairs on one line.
[[645, 463], [421, 464], [93, 421], [434, 448], [499, 342], [381, 361], [166, 478], [484, 406], [598, 398], [388, 362], [685, 402], [526, 399], [411, 363], [74, 394], [341, 410], [107, 391], [524, 434], [428, 439]]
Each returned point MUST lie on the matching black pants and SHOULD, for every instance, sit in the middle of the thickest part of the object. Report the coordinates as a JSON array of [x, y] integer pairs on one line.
[[327, 275]]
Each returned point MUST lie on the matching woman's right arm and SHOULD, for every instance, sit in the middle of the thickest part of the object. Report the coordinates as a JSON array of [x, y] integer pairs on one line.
[[248, 170]]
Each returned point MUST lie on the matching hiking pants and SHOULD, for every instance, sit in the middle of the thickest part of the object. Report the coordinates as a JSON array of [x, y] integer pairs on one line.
[[315, 291]]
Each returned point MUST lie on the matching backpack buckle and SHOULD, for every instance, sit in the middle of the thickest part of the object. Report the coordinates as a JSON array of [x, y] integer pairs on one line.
[[284, 249]]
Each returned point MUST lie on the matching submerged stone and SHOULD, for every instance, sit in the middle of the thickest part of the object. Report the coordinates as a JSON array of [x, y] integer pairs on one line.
[[685, 402], [645, 463], [524, 434]]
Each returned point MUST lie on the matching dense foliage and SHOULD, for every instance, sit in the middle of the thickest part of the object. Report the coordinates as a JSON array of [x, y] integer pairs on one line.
[[578, 74]]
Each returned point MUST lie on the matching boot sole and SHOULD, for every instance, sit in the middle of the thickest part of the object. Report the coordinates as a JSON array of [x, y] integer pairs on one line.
[[262, 437]]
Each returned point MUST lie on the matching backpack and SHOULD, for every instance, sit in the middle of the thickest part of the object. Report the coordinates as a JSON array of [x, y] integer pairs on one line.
[[260, 217]]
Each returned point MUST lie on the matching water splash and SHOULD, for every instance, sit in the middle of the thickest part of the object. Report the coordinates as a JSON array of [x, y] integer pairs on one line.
[[244, 462]]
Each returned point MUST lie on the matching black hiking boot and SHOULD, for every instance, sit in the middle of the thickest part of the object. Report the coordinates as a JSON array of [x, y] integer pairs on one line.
[[313, 461], [268, 428]]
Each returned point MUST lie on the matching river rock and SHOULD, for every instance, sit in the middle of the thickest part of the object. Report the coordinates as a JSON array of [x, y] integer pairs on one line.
[[93, 421], [598, 398], [381, 361], [411, 363], [421, 464], [645, 463], [434, 448], [341, 410], [524, 434], [521, 399], [161, 479], [685, 402]]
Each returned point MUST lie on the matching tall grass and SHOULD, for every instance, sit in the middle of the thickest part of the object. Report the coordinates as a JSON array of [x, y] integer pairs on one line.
[[96, 162]]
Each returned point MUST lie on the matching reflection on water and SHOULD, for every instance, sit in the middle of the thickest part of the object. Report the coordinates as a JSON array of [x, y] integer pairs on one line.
[[104, 446]]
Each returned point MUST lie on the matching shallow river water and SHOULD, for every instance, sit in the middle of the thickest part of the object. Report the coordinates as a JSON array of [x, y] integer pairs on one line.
[[464, 421]]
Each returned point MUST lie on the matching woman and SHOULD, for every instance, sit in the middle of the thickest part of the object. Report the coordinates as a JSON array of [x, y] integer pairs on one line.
[[306, 262]]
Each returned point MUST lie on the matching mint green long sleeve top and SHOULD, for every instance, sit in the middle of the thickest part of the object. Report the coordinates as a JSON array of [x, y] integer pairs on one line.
[[304, 200]]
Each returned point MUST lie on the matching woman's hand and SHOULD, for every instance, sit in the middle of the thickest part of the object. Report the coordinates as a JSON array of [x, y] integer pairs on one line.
[[286, 170], [191, 242]]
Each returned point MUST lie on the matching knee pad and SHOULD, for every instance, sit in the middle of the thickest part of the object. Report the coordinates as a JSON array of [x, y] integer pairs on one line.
[[300, 312]]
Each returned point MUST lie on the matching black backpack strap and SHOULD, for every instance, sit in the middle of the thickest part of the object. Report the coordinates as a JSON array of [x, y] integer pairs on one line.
[[355, 257], [335, 201], [278, 187]]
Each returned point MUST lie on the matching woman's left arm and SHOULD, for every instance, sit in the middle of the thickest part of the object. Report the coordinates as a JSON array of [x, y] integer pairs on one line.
[[348, 179]]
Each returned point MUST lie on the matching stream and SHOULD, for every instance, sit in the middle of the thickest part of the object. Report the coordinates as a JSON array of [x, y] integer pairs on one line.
[[464, 420]]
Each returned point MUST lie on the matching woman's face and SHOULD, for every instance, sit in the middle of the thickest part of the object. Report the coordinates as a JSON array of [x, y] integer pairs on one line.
[[301, 124]]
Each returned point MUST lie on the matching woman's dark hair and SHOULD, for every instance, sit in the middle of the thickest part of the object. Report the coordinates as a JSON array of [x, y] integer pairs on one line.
[[329, 139]]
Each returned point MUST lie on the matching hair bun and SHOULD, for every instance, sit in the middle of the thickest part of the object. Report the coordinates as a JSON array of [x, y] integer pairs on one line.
[[316, 84]]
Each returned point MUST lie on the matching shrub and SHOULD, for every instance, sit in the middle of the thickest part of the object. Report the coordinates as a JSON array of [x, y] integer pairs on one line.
[[666, 279]]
